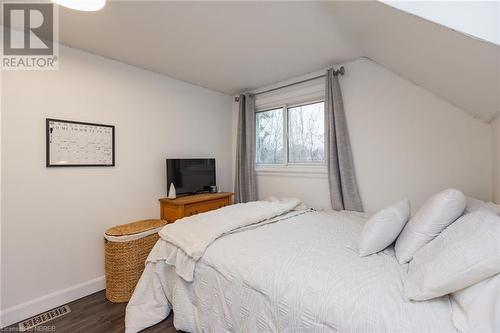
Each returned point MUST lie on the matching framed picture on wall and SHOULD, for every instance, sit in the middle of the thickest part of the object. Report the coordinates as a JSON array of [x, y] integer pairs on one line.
[[77, 144]]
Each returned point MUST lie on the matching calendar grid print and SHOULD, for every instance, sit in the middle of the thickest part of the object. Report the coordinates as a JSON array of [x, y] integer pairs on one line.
[[73, 143]]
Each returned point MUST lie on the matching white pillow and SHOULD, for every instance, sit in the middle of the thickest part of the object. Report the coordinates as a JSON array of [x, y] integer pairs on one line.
[[474, 205], [466, 252], [477, 308], [437, 213], [382, 229]]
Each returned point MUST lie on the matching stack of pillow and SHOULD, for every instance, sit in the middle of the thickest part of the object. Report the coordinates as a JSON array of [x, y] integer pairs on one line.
[[452, 245]]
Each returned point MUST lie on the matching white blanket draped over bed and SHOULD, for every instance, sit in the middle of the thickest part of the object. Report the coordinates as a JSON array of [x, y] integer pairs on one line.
[[187, 239], [299, 274]]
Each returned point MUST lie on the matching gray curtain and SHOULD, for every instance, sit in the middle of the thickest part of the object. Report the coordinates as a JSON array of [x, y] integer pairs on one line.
[[344, 192], [245, 183]]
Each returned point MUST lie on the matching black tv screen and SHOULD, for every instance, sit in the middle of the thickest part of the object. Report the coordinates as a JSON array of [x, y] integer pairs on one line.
[[191, 175]]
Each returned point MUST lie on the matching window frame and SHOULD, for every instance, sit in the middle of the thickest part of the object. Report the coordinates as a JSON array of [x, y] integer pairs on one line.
[[298, 166], [285, 131]]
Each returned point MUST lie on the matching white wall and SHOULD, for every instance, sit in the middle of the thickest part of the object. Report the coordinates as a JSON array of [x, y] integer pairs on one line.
[[496, 160], [406, 141], [54, 218]]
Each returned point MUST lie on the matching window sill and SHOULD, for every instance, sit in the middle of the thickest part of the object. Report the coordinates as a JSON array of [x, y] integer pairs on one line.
[[302, 170]]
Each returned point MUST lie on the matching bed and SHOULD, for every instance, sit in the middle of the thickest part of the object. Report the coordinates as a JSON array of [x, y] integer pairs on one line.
[[300, 273]]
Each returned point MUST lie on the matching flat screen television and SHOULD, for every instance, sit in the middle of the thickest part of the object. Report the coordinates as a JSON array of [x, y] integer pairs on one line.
[[191, 175]]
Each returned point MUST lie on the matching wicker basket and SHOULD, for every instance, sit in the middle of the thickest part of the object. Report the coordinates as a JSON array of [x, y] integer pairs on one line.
[[126, 249]]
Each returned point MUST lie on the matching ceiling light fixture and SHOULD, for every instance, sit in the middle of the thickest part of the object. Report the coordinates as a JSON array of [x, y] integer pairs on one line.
[[84, 5]]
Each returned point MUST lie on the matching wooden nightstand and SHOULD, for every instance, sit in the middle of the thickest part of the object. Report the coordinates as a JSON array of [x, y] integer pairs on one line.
[[174, 209]]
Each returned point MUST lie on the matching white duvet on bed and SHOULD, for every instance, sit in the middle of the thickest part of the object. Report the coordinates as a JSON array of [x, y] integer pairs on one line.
[[301, 274], [188, 238]]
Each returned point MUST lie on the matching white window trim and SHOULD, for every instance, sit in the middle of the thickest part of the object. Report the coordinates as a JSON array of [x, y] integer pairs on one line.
[[304, 171], [299, 169]]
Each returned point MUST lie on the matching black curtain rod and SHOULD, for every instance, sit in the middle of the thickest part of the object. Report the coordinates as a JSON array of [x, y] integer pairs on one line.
[[340, 71]]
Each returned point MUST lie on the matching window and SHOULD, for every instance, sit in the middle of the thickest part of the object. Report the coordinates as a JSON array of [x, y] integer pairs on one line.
[[306, 131], [291, 134], [269, 134]]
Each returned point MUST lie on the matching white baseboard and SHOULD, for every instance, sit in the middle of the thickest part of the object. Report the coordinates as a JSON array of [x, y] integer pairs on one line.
[[31, 308]]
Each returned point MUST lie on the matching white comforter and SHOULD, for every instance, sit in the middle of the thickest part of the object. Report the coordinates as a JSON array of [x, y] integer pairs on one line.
[[188, 238], [301, 274]]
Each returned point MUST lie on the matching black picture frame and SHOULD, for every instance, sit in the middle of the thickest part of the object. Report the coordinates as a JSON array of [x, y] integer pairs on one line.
[[47, 144]]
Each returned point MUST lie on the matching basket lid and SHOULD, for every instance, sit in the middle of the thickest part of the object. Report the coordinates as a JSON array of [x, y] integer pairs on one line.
[[134, 227]]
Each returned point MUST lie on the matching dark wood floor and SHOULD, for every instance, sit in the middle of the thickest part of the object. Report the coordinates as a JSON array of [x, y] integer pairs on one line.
[[95, 314]]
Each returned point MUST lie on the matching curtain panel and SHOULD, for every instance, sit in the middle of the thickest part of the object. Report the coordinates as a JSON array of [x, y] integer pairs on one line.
[[344, 192], [245, 188]]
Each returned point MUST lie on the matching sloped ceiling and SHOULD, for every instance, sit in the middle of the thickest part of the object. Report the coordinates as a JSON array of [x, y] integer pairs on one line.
[[462, 69], [238, 46], [225, 46]]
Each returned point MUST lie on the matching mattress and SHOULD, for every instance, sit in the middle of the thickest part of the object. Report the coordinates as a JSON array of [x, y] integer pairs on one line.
[[300, 274]]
